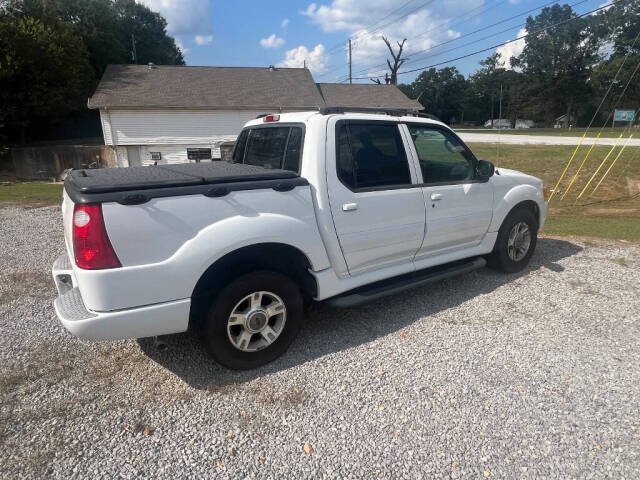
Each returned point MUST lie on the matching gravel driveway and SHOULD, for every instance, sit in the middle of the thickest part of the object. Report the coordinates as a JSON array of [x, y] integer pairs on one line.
[[485, 375]]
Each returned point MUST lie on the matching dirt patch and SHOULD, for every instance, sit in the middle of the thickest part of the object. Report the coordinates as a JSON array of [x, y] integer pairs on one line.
[[23, 284], [633, 186], [613, 211]]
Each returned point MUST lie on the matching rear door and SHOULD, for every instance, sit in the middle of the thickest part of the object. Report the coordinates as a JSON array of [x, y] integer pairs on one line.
[[459, 207], [377, 207]]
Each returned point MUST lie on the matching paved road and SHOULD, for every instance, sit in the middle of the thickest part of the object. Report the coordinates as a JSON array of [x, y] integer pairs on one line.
[[539, 139], [533, 375]]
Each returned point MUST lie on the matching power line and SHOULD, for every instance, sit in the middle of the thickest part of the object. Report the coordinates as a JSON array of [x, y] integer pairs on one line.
[[498, 44], [464, 19], [361, 33], [415, 60], [354, 36]]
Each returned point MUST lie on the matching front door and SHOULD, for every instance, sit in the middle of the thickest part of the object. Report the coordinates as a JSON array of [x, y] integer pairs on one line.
[[459, 207], [378, 209]]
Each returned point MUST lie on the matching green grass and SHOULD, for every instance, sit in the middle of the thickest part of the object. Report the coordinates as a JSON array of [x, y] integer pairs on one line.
[[32, 193], [596, 215], [618, 228], [555, 132]]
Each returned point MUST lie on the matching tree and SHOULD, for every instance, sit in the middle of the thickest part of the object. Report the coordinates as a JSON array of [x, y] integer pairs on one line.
[[440, 92], [397, 63], [54, 52], [619, 30], [558, 61], [44, 73]]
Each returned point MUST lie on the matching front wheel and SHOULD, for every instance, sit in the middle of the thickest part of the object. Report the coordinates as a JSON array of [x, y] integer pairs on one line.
[[253, 320], [516, 242]]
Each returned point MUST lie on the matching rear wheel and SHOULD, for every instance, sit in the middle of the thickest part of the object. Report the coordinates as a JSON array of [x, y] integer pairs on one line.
[[253, 320], [516, 242]]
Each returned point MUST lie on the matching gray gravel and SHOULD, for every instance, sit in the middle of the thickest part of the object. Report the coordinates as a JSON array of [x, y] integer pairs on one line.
[[485, 375]]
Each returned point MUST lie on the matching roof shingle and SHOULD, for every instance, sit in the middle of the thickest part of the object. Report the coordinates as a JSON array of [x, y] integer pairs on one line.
[[205, 87], [363, 95], [168, 86]]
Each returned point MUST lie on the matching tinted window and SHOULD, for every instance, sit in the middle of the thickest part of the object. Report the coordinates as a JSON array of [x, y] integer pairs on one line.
[[371, 155], [442, 157], [272, 147], [294, 148], [238, 151]]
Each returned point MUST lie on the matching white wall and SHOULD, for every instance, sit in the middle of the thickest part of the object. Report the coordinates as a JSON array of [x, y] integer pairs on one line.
[[172, 126]]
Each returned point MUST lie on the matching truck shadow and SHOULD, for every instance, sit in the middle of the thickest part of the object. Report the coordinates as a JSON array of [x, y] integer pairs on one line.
[[329, 330]]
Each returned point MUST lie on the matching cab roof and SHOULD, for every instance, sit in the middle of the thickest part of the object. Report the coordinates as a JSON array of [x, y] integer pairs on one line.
[[304, 117]]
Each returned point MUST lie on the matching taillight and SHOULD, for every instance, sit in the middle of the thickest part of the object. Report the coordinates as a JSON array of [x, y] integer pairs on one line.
[[91, 246]]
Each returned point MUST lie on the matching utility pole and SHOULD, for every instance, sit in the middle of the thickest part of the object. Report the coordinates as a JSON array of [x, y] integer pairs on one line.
[[134, 56], [500, 111], [492, 93], [350, 79], [304, 63]]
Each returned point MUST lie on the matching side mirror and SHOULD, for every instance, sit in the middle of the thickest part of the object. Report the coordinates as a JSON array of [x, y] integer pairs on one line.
[[484, 170]]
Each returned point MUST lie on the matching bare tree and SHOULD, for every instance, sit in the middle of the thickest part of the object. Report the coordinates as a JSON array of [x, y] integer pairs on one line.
[[398, 61]]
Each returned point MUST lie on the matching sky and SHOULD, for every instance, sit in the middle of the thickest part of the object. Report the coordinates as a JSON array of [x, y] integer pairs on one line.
[[287, 33]]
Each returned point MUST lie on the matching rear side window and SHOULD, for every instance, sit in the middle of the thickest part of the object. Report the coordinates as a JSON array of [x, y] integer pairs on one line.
[[371, 155], [271, 147]]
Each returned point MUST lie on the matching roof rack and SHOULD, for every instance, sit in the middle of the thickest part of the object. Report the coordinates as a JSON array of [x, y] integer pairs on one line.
[[396, 112]]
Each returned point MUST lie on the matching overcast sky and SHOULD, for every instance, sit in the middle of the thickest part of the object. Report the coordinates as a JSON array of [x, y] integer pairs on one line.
[[287, 32]]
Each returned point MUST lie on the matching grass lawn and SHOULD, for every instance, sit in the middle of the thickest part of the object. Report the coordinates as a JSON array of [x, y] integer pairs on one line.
[[555, 132], [594, 215], [32, 193]]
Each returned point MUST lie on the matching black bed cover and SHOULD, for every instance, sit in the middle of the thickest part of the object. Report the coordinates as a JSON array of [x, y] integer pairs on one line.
[[136, 185]]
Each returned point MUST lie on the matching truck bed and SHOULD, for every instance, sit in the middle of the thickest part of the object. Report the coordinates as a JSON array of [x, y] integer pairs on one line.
[[136, 185]]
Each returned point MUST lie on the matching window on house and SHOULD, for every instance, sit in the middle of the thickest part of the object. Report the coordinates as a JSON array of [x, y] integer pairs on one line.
[[371, 155], [199, 154]]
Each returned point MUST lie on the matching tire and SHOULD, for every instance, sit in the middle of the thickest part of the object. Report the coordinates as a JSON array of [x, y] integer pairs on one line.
[[225, 338], [503, 257]]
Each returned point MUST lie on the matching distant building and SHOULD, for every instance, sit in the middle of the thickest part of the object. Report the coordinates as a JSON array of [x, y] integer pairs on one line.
[[498, 123], [176, 114], [522, 123]]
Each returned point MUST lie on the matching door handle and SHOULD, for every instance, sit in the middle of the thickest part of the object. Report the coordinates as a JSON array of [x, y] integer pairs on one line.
[[436, 196], [349, 207]]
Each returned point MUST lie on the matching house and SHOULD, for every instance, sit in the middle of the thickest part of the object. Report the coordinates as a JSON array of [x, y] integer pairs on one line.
[[175, 114]]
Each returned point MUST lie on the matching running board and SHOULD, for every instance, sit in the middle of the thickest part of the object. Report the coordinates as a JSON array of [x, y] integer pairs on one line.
[[393, 285]]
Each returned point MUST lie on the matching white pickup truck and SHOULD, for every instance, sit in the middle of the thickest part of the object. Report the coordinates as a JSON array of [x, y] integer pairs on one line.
[[315, 206]]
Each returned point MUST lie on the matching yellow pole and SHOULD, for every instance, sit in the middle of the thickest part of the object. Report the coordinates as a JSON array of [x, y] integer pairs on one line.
[[555, 189], [612, 163], [595, 140], [601, 164]]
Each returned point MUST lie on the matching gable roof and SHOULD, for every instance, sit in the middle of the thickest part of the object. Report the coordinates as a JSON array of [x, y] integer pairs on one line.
[[364, 95], [235, 88], [205, 87]]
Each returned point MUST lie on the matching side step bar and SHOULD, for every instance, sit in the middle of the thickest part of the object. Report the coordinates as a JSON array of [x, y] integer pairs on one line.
[[390, 286]]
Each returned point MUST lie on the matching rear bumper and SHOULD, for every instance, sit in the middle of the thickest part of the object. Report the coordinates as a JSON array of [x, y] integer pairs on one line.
[[147, 321]]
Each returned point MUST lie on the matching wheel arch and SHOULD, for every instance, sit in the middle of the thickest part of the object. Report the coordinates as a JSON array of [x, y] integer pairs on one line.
[[530, 205], [279, 257], [521, 196]]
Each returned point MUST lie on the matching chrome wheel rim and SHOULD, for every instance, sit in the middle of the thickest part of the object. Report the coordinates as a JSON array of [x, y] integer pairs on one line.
[[256, 321], [519, 241]]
